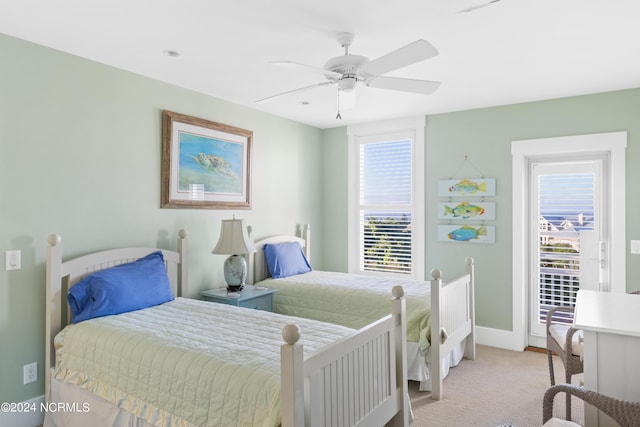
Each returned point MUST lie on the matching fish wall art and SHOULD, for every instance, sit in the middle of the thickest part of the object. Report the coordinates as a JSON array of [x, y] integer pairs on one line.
[[467, 210], [467, 233], [467, 187]]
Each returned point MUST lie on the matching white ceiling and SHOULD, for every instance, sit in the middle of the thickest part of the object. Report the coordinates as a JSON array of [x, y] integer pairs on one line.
[[507, 52]]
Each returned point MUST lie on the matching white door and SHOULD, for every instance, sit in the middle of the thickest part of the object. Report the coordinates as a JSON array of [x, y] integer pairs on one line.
[[602, 261], [566, 235]]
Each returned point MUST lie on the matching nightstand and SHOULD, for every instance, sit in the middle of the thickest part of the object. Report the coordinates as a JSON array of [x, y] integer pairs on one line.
[[249, 297]]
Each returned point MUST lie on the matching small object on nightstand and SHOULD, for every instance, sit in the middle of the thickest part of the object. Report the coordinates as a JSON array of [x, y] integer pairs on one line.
[[261, 288]]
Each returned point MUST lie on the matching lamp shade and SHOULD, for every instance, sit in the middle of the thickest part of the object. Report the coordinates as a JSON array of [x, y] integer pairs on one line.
[[234, 239]]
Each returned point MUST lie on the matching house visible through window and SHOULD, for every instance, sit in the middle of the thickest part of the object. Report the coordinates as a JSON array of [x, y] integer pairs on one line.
[[386, 202]]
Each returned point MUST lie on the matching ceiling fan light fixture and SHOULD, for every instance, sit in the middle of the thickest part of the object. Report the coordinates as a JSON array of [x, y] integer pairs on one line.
[[347, 83]]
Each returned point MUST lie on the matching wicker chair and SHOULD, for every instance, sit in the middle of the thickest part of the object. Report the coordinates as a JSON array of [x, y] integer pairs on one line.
[[627, 414], [566, 343]]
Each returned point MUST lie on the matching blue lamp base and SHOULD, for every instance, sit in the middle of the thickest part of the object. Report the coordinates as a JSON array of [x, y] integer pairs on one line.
[[235, 272]]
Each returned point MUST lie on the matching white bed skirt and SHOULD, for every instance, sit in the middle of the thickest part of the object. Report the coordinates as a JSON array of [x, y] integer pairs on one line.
[[418, 370], [82, 409]]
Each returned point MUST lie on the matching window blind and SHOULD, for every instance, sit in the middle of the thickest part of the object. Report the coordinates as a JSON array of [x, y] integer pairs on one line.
[[385, 194]]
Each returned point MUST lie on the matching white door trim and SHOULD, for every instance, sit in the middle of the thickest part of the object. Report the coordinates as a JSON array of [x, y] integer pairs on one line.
[[613, 144]]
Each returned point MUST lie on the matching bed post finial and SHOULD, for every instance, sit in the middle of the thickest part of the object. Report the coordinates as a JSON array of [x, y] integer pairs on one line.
[[436, 274], [291, 334], [54, 239], [469, 260], [182, 233], [397, 291]]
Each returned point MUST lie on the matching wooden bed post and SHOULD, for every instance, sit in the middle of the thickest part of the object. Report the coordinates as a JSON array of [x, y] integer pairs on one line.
[[183, 275], [292, 377], [53, 306], [470, 345], [399, 312], [305, 233], [438, 335]]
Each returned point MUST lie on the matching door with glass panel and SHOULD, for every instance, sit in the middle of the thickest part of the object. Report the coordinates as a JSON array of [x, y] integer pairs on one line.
[[568, 241]]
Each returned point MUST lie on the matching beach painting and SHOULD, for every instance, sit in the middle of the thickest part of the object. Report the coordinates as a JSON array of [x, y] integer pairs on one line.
[[467, 233], [467, 210], [205, 164], [467, 187]]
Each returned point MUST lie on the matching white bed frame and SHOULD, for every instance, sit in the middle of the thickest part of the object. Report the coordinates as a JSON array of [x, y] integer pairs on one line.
[[452, 306], [369, 364]]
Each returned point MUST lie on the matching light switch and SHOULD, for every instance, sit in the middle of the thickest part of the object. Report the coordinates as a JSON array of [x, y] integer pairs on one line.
[[12, 260], [635, 246]]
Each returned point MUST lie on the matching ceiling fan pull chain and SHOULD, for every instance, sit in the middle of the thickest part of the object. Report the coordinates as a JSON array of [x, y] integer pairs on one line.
[[338, 117]]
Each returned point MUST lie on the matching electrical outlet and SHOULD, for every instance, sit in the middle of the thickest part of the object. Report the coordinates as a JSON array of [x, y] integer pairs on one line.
[[30, 373]]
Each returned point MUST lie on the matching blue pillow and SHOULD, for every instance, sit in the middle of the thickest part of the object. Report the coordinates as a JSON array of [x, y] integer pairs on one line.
[[125, 287], [285, 259]]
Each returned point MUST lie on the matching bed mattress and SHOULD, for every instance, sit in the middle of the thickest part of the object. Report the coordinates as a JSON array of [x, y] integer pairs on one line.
[[352, 300], [186, 362]]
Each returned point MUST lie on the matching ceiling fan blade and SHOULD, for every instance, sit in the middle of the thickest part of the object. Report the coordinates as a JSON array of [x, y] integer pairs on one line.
[[406, 85], [332, 75], [291, 92], [405, 56]]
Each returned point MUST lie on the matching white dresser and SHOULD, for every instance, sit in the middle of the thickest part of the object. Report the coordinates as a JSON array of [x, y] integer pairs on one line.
[[611, 325]]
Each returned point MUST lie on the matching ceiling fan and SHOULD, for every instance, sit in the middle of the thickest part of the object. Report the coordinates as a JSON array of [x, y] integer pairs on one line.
[[348, 70]]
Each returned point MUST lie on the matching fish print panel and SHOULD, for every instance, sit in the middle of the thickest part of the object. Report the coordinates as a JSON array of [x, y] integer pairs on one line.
[[467, 210], [467, 187], [467, 233]]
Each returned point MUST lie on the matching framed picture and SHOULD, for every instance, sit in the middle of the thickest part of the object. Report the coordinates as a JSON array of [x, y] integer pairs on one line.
[[205, 164]]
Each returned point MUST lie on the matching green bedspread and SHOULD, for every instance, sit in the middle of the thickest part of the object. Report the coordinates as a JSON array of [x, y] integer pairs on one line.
[[352, 300], [186, 362]]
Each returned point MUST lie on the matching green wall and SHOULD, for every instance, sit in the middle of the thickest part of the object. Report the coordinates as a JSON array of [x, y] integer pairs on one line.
[[80, 150]]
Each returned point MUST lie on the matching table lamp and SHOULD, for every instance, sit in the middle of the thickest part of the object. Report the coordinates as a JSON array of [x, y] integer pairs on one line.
[[234, 240]]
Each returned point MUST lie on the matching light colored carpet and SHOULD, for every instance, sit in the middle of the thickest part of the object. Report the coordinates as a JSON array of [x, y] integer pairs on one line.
[[499, 388]]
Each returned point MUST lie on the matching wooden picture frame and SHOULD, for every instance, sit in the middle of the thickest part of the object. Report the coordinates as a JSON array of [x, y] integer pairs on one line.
[[205, 164]]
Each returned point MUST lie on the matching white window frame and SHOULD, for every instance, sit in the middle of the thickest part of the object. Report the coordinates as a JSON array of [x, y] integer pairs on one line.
[[382, 131]]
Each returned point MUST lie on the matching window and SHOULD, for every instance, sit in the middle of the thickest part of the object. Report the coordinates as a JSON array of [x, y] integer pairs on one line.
[[386, 198], [566, 203]]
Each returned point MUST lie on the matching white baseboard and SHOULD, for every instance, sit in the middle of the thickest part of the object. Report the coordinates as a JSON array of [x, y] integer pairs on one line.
[[495, 338], [23, 414]]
